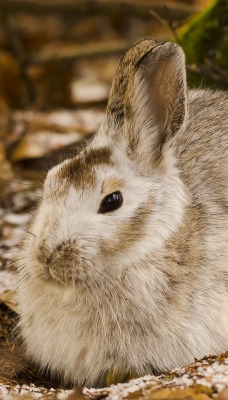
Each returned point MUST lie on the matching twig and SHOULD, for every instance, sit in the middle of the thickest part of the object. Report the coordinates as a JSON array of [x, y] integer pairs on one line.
[[210, 71], [75, 52], [164, 22], [171, 24], [168, 22]]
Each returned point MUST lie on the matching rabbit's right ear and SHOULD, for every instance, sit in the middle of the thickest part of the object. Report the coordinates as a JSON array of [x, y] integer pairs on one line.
[[153, 107]]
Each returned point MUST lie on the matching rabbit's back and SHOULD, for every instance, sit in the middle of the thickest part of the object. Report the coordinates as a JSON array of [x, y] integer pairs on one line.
[[203, 149], [203, 160]]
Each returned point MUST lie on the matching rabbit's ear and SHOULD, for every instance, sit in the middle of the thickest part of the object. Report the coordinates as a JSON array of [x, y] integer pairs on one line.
[[155, 100]]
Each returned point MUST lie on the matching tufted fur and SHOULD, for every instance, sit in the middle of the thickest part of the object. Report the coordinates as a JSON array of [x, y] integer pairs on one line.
[[143, 288]]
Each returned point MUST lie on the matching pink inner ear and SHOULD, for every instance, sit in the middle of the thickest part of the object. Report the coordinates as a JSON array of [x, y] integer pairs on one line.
[[163, 83]]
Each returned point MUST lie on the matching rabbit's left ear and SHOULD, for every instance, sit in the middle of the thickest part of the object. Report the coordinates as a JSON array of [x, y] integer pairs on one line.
[[155, 100], [156, 103]]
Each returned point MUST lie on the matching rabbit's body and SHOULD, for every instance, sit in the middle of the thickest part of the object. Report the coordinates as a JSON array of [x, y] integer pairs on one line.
[[145, 287]]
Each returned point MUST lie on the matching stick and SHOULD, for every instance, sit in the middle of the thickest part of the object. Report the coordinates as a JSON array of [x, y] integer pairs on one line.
[[75, 52]]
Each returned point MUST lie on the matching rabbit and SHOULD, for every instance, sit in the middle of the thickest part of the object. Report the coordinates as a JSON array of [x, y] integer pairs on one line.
[[126, 267]]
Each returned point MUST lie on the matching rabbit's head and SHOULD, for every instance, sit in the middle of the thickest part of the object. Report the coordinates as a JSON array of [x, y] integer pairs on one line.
[[121, 197]]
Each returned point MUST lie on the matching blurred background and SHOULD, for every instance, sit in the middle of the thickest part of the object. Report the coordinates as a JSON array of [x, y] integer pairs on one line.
[[56, 53], [57, 59]]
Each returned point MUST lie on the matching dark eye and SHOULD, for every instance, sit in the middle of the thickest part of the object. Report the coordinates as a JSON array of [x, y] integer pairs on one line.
[[111, 203]]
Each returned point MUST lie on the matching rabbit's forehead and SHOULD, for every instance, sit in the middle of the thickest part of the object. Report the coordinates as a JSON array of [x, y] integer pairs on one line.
[[97, 170], [80, 171]]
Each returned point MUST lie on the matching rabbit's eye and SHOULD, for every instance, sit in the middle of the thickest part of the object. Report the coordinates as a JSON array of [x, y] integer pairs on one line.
[[111, 203]]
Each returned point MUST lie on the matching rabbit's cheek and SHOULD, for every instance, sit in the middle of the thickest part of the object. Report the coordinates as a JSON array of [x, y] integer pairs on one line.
[[130, 233]]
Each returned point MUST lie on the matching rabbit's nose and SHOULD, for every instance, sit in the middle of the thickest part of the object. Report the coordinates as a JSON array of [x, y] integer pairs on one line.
[[66, 252], [62, 261]]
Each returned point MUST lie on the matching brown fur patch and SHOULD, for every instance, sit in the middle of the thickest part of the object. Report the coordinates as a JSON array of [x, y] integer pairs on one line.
[[130, 232], [112, 185], [80, 170], [183, 257]]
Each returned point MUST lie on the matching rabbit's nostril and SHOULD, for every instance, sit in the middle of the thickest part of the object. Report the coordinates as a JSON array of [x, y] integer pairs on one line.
[[44, 254], [49, 260]]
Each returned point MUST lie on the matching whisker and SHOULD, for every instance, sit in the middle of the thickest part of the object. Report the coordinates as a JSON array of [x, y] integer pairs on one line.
[[98, 308], [118, 290], [9, 252], [17, 257], [15, 261], [22, 279], [18, 227], [21, 183], [109, 304], [105, 278]]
